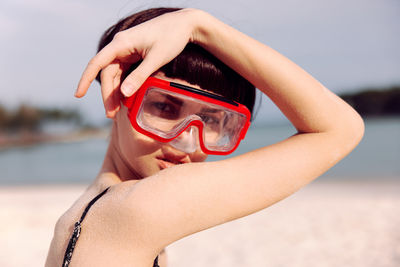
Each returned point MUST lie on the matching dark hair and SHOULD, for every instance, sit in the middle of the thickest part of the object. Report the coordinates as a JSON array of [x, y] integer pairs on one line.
[[194, 64]]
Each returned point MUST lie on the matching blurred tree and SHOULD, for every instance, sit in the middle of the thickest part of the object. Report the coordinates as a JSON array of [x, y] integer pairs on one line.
[[392, 105], [374, 102], [29, 119], [26, 118], [56, 114], [3, 118]]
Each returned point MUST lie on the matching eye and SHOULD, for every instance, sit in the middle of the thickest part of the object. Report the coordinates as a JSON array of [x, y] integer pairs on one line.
[[164, 110], [162, 106], [209, 119]]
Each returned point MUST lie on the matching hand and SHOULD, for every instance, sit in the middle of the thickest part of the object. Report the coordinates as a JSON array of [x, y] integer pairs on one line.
[[156, 41]]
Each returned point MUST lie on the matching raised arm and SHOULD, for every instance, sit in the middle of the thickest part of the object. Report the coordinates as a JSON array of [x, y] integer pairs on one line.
[[191, 197]]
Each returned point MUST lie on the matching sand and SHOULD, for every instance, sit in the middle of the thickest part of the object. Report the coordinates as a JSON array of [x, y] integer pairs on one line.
[[328, 223]]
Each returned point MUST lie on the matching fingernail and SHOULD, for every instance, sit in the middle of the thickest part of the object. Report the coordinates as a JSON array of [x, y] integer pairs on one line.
[[127, 89], [109, 114]]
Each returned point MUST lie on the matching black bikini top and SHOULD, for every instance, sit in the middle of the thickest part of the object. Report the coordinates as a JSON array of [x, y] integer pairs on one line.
[[77, 231]]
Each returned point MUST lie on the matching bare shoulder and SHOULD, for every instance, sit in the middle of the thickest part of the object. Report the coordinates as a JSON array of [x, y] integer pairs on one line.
[[62, 232], [65, 225]]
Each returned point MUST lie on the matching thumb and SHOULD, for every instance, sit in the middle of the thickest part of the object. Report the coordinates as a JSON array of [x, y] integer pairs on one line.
[[137, 77]]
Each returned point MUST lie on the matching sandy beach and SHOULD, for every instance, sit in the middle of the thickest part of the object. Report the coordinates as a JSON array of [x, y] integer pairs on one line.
[[328, 223]]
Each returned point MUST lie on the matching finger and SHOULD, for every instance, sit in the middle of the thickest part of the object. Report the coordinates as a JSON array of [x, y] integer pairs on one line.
[[107, 88], [136, 78], [116, 95], [115, 100], [97, 63]]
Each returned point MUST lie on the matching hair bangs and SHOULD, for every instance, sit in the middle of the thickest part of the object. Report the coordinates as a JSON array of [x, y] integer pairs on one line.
[[197, 66]]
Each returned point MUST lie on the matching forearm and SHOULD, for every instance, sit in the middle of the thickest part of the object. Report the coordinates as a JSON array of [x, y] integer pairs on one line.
[[305, 102]]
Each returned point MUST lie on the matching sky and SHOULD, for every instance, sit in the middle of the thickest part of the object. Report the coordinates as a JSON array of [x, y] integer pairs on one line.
[[345, 44]]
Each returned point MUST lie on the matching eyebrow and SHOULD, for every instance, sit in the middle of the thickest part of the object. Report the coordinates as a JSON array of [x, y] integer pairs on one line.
[[174, 100]]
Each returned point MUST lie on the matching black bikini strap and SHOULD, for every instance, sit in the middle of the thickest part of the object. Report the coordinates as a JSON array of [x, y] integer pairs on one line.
[[91, 203], [77, 231], [155, 264]]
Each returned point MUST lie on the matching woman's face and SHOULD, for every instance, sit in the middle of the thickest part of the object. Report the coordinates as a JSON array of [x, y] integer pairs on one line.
[[144, 155]]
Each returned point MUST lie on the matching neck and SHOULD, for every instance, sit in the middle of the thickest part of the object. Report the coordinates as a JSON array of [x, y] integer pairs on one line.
[[115, 169]]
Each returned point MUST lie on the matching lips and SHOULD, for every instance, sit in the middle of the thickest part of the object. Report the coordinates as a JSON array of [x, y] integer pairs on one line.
[[163, 163], [167, 161]]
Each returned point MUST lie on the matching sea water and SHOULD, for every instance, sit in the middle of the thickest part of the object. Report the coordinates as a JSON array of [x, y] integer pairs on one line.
[[376, 157]]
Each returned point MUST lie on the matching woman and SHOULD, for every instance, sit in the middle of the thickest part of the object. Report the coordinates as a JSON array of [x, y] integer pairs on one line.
[[153, 199]]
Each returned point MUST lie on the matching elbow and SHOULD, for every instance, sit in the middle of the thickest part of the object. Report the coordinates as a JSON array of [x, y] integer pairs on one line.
[[352, 132], [345, 138], [358, 129]]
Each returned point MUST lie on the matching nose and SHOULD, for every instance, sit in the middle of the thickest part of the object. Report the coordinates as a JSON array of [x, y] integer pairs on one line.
[[187, 141]]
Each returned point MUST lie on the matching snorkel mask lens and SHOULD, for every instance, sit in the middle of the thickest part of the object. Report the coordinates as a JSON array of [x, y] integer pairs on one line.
[[187, 117], [187, 141]]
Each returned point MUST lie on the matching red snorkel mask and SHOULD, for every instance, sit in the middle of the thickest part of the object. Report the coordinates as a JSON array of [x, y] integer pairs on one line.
[[187, 117]]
